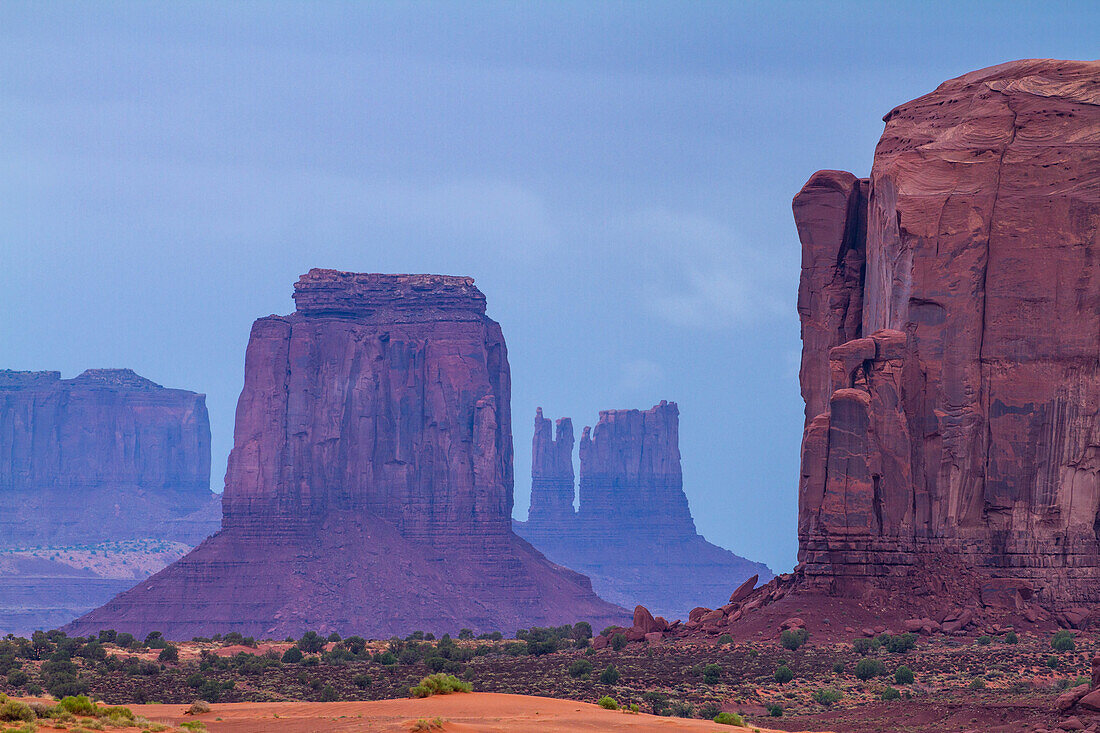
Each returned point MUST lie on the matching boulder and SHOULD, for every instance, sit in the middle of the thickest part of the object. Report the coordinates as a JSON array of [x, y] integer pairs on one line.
[[959, 621], [653, 637], [712, 617], [1090, 701], [792, 623], [644, 621], [1069, 698], [744, 590]]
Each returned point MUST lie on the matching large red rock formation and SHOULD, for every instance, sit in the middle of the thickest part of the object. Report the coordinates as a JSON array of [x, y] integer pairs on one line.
[[552, 488], [950, 309], [633, 534], [107, 456], [369, 490]]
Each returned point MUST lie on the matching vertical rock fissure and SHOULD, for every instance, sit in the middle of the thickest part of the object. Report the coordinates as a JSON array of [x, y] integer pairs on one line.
[[986, 380]]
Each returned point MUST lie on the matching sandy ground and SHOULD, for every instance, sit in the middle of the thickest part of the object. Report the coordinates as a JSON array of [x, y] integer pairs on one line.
[[483, 712]]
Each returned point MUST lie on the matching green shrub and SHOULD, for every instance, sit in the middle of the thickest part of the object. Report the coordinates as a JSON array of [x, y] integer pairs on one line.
[[1011, 638], [683, 709], [1052, 662], [658, 701], [793, 638], [984, 640], [618, 641], [328, 694], [899, 643], [311, 642], [439, 684], [783, 674], [156, 640], [711, 673], [869, 667], [361, 681], [293, 655], [709, 711], [774, 709], [610, 676], [18, 678], [14, 711], [903, 675], [608, 703], [977, 684], [838, 667], [862, 646], [728, 719], [1063, 641], [890, 693], [78, 705], [169, 654], [725, 639], [124, 640], [580, 668], [826, 696], [515, 648]]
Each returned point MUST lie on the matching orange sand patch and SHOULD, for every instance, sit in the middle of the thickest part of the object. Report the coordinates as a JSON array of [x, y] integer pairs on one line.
[[483, 712]]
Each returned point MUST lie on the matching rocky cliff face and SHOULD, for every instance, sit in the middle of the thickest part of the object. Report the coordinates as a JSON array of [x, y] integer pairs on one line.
[[369, 490], [630, 460], [552, 487], [107, 456], [382, 394], [108, 468], [633, 534], [950, 309]]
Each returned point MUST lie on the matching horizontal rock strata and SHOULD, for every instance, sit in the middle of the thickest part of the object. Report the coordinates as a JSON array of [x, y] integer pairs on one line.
[[369, 490], [950, 309]]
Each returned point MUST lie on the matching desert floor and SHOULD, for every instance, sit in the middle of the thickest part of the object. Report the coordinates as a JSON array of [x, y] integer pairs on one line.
[[484, 712]]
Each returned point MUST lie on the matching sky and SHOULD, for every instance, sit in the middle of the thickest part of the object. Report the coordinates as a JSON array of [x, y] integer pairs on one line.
[[617, 177]]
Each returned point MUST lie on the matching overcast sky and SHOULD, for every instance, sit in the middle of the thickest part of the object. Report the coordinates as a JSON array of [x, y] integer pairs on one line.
[[617, 178]]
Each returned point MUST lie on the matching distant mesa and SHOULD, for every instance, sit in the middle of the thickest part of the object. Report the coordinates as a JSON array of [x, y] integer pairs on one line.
[[369, 489], [633, 533], [87, 463]]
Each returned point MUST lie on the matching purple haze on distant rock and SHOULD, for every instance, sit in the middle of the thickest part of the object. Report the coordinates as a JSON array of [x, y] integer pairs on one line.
[[106, 456], [369, 490], [633, 534]]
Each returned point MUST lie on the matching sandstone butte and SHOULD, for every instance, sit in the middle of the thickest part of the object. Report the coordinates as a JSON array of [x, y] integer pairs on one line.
[[369, 489], [106, 456], [950, 308], [103, 479], [633, 533]]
